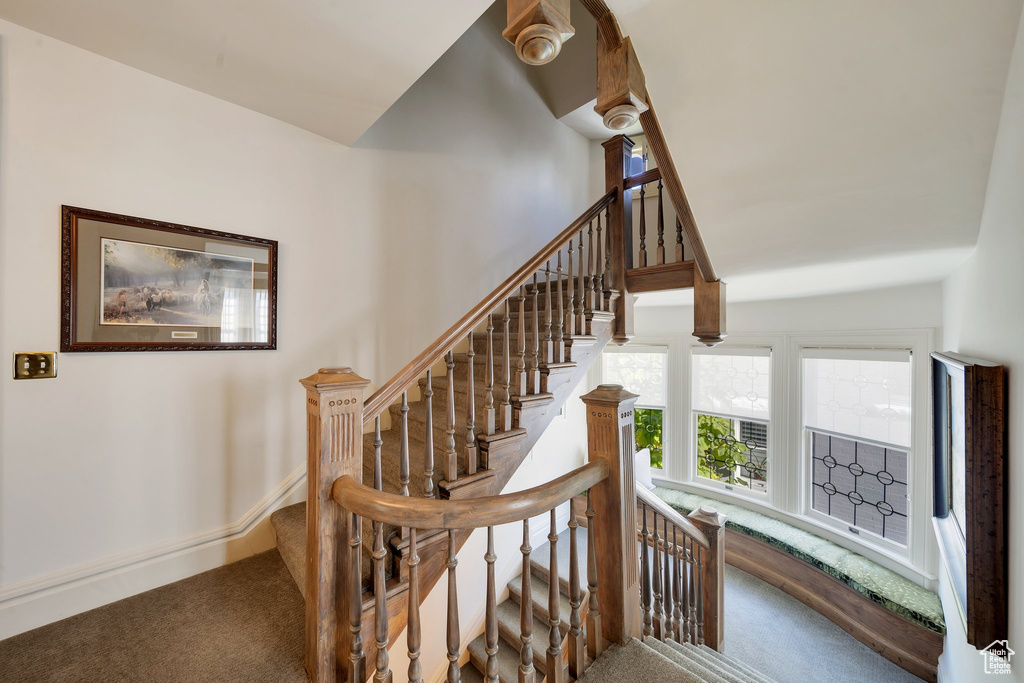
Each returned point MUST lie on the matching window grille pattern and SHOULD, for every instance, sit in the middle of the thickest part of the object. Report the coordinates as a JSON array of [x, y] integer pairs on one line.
[[641, 373], [724, 457], [861, 484]]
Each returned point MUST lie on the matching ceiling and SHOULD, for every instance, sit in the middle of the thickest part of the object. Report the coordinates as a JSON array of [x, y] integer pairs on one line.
[[834, 143], [332, 67]]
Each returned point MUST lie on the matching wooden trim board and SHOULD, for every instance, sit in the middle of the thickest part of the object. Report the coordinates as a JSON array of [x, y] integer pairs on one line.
[[909, 646]]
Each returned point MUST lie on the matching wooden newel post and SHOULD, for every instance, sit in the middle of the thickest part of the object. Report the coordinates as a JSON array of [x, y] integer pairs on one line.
[[617, 153], [610, 438], [334, 427], [712, 522]]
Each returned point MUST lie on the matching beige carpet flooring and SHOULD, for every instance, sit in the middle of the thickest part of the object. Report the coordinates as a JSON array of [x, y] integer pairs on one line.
[[242, 622]]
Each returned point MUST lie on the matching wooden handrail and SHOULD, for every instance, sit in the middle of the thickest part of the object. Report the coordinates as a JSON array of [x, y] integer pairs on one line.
[[472, 513], [648, 176], [662, 508], [390, 392]]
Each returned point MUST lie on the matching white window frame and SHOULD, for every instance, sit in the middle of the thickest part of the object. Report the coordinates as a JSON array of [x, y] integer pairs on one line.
[[668, 430], [734, 347]]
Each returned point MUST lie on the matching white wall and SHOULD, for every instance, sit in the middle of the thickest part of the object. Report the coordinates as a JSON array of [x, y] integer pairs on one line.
[[984, 318], [127, 460]]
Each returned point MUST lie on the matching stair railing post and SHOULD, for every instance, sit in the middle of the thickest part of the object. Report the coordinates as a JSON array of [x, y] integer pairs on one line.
[[617, 153], [610, 438], [334, 426], [712, 522]]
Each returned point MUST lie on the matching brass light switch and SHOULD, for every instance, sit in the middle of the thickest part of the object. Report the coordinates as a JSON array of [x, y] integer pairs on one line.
[[39, 365]]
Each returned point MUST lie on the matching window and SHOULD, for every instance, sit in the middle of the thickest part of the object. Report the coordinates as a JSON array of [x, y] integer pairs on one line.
[[643, 373], [857, 419], [731, 397]]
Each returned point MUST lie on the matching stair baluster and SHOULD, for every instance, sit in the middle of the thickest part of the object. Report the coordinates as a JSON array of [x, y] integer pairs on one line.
[[526, 671], [521, 383], [571, 320], [582, 291], [471, 448], [491, 617], [378, 474], [451, 463], [489, 414], [700, 595], [548, 350], [595, 645], [591, 265], [403, 458], [414, 635], [606, 278], [454, 673], [645, 575], [506, 358], [555, 666], [380, 611], [679, 240], [559, 335], [577, 646], [668, 625], [598, 281], [692, 618], [356, 657], [677, 626], [661, 226], [659, 607], [535, 338], [643, 227], [428, 443]]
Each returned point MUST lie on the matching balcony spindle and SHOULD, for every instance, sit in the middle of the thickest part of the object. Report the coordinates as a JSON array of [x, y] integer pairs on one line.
[[451, 461], [645, 576], [526, 670], [414, 635], [659, 606], [535, 349], [679, 240], [454, 673], [506, 361], [559, 334], [661, 226], [577, 645], [491, 617], [403, 458], [428, 443], [595, 645], [555, 666], [521, 381], [471, 449], [490, 423], [356, 657], [643, 227]]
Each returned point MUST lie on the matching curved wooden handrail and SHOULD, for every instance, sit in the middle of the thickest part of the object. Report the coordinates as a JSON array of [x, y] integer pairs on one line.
[[472, 513], [390, 392], [669, 513]]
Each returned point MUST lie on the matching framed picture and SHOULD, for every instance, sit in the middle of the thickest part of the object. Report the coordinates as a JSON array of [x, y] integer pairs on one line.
[[135, 284], [969, 404]]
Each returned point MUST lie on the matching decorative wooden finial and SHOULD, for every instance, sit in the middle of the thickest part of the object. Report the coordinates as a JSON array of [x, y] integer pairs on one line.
[[538, 28]]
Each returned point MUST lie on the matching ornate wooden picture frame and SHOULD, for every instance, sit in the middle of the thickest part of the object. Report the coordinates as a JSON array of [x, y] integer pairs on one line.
[[969, 411], [136, 284]]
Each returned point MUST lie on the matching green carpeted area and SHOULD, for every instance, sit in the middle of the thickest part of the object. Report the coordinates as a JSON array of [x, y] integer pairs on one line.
[[881, 585]]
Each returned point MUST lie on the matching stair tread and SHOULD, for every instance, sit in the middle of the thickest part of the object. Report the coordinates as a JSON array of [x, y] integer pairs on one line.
[[539, 587], [540, 558], [509, 627], [691, 661], [635, 659], [706, 652], [508, 659]]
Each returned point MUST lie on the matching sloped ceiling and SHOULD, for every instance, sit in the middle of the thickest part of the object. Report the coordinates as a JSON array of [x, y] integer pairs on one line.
[[329, 66], [816, 134]]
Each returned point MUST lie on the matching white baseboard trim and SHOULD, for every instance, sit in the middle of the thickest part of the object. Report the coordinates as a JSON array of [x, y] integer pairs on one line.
[[42, 600]]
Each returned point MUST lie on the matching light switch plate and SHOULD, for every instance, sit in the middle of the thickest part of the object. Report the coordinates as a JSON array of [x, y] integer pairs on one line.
[[35, 365]]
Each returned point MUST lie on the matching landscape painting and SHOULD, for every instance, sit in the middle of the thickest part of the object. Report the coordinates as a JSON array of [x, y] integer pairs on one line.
[[147, 284]]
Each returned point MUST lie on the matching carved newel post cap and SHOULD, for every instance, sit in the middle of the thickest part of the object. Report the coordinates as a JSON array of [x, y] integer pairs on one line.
[[609, 393], [621, 117], [538, 44], [708, 510], [325, 377]]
